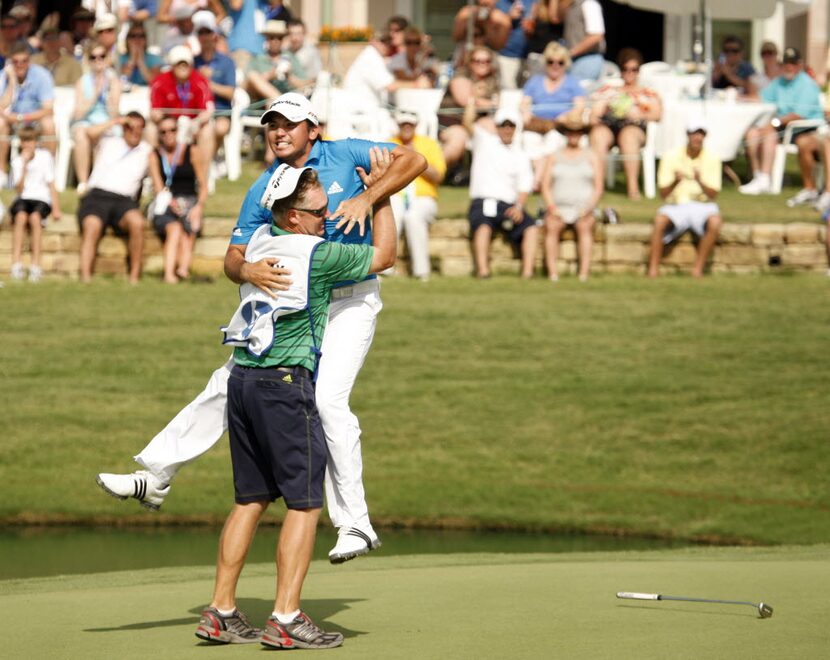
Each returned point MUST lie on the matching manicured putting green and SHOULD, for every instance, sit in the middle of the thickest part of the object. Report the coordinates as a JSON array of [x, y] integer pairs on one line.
[[454, 606]]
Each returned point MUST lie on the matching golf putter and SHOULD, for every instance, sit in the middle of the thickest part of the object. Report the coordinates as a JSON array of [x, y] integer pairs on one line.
[[764, 610]]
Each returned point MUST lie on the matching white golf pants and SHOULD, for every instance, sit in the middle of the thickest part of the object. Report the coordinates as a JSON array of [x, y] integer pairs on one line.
[[415, 220], [349, 333]]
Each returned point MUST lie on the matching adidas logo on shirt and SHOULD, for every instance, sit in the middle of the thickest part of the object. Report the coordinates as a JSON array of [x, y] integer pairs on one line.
[[334, 188], [237, 232]]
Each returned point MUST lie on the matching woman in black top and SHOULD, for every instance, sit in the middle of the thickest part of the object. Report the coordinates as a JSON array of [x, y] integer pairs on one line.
[[180, 184]]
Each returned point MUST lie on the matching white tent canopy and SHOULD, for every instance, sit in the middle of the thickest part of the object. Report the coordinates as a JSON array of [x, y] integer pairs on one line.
[[720, 9]]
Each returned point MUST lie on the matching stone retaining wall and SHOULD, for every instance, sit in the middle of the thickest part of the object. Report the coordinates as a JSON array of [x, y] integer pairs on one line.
[[741, 248]]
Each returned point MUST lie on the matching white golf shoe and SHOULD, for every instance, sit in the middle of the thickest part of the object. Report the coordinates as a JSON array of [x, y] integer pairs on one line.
[[760, 185], [803, 196], [351, 543], [144, 486]]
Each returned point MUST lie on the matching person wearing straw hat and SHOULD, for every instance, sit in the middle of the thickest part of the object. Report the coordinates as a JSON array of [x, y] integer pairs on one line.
[[689, 179], [293, 132], [572, 184], [275, 71]]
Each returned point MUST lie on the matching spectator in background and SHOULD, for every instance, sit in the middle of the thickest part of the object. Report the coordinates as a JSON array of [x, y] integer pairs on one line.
[[796, 96], [25, 26], [249, 16], [771, 67], [546, 98], [97, 95], [307, 54], [571, 188], [585, 38], [181, 32], [65, 69], [619, 115], [415, 61], [689, 179], [218, 70], [33, 178], [476, 82], [731, 69], [144, 12], [80, 32], [501, 179], [8, 36], [137, 66], [545, 27], [512, 56], [416, 206], [178, 169], [369, 79], [105, 32], [395, 28], [492, 24], [275, 71], [27, 94], [185, 94], [112, 201]]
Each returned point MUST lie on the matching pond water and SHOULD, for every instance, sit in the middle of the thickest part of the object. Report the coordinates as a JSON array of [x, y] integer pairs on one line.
[[44, 551]]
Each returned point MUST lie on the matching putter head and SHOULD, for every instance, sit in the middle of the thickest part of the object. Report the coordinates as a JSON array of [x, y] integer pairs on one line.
[[764, 610]]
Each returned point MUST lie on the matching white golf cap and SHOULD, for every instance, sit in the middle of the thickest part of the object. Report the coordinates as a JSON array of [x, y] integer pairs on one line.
[[406, 117], [105, 22], [204, 20], [282, 183], [695, 124], [183, 11], [180, 54], [292, 106], [274, 27], [507, 114]]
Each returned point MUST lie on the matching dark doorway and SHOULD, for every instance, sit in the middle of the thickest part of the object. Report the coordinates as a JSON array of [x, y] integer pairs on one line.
[[626, 27]]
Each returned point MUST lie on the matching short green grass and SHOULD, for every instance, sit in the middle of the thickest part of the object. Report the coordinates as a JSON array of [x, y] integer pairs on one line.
[[676, 408], [453, 606]]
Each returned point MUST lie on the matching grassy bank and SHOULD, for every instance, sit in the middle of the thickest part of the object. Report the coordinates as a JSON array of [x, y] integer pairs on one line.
[[674, 408]]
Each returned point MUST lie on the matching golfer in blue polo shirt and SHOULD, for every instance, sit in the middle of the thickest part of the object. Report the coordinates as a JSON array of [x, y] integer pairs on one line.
[[292, 130]]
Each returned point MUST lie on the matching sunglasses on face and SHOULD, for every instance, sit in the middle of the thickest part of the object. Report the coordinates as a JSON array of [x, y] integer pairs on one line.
[[99, 56], [478, 61], [768, 53], [106, 30], [507, 124], [136, 35], [556, 62], [731, 51], [204, 31], [133, 128], [317, 213], [20, 62], [413, 42], [630, 69]]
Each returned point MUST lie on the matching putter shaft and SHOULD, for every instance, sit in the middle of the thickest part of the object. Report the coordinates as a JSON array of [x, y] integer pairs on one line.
[[764, 610]]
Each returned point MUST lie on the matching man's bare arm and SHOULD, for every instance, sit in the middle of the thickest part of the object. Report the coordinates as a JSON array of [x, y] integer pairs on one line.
[[384, 237], [261, 274]]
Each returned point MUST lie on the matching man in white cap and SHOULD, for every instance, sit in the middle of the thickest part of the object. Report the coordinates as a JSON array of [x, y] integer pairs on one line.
[[182, 31], [293, 132], [278, 447], [501, 179], [689, 179], [219, 71]]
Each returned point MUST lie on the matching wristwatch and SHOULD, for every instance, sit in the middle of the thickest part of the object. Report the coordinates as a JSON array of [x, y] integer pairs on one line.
[[19, 117]]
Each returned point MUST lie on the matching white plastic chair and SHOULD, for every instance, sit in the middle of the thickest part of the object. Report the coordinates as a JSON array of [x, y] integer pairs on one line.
[[63, 108], [648, 155], [424, 103], [786, 147], [655, 68]]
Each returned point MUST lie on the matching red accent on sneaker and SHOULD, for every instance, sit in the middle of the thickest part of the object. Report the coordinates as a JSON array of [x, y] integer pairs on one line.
[[216, 629], [285, 637]]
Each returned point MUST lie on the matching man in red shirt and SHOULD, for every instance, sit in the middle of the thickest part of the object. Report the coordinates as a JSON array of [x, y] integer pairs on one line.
[[183, 92]]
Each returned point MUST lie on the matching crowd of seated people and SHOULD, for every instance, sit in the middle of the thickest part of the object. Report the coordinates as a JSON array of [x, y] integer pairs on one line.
[[546, 56]]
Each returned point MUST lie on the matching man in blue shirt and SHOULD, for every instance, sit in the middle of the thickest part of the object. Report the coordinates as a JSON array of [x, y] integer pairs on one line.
[[512, 56], [796, 97], [292, 131], [220, 72], [26, 97]]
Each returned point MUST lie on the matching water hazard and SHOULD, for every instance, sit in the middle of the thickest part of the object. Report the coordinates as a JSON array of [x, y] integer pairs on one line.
[[45, 551]]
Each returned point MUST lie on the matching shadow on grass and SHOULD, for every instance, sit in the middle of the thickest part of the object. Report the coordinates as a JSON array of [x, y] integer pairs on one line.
[[257, 609]]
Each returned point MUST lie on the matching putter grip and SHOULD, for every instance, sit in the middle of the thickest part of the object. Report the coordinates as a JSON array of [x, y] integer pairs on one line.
[[637, 596]]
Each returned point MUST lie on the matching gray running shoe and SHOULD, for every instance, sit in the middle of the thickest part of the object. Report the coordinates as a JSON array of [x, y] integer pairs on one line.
[[301, 633], [231, 629]]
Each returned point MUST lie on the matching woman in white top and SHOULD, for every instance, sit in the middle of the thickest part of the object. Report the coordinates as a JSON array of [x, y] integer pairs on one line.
[[33, 177], [571, 187], [97, 95]]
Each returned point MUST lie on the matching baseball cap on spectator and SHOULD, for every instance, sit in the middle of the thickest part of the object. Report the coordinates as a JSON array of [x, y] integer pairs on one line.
[[274, 27], [20, 12], [180, 54], [83, 14], [182, 12], [696, 124], [294, 107], [506, 114], [204, 20], [791, 56], [406, 117], [105, 22], [282, 183], [769, 47]]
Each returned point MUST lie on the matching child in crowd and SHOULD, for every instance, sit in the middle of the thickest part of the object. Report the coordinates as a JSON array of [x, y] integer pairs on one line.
[[33, 177]]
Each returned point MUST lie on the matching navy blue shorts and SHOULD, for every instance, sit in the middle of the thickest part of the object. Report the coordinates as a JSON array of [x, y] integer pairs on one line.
[[277, 444], [500, 222]]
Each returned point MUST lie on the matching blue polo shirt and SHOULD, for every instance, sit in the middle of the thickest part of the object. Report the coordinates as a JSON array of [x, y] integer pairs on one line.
[[222, 72], [37, 88], [247, 23], [517, 43], [549, 105], [799, 95], [335, 162]]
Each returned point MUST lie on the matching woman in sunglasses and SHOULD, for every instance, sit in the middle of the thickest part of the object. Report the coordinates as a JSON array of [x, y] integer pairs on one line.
[[97, 95], [415, 61], [137, 66], [179, 179], [619, 116]]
